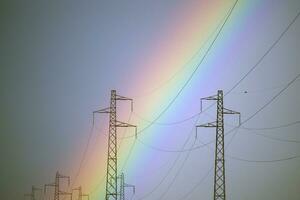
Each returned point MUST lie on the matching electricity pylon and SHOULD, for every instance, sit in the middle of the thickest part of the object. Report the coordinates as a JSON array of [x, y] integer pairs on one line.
[[33, 192], [112, 173], [123, 185], [80, 194], [57, 191], [219, 176]]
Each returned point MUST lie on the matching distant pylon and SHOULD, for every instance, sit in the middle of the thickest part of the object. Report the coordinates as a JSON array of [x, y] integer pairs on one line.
[[56, 185], [219, 177], [123, 185], [80, 194], [33, 192], [112, 173]]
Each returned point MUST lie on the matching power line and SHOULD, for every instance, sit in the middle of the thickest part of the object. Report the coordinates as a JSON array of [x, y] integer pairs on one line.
[[120, 144], [272, 46], [88, 144], [267, 52], [268, 128], [245, 121], [274, 138], [264, 161], [249, 118], [234, 85], [260, 90], [168, 172], [186, 83], [189, 60], [184, 197], [272, 127], [176, 150], [193, 73], [248, 72], [84, 153]]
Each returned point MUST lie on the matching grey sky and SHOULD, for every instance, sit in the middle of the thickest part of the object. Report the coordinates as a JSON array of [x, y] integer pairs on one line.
[[59, 60]]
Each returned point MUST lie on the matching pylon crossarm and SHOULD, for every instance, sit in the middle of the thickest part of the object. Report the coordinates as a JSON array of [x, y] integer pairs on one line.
[[124, 124], [208, 125], [119, 97], [105, 110], [232, 112], [214, 98]]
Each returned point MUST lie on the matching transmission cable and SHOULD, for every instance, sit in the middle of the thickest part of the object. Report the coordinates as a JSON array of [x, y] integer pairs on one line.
[[263, 161], [278, 94], [235, 85], [245, 121], [188, 61], [256, 66], [180, 91]]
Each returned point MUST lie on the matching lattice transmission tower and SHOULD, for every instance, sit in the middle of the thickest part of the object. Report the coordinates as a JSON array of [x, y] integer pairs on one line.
[[56, 185], [112, 158], [124, 185], [219, 176]]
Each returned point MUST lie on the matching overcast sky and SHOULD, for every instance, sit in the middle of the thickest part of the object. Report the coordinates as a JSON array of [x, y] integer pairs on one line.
[[60, 59]]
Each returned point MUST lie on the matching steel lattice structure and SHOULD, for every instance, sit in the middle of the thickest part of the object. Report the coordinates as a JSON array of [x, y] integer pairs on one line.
[[124, 185], [219, 176], [56, 185], [112, 156]]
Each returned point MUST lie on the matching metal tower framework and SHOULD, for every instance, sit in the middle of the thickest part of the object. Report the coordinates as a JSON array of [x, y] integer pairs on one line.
[[56, 185], [123, 185], [112, 172], [80, 194], [33, 192], [219, 176]]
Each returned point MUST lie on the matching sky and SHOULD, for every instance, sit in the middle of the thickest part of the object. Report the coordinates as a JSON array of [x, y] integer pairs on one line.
[[61, 59]]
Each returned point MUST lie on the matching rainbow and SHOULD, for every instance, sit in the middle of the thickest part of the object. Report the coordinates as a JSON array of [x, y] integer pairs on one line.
[[161, 74]]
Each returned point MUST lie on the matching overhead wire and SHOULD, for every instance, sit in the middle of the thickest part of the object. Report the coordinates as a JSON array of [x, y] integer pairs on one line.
[[275, 138], [248, 160], [186, 83], [192, 74], [259, 61], [186, 65], [120, 143], [229, 90], [248, 72], [206, 53], [243, 122], [187, 194], [251, 131], [264, 161], [271, 127]]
